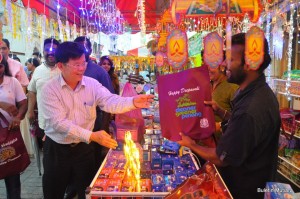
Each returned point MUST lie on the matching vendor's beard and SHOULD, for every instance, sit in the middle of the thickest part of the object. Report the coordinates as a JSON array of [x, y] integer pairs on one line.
[[47, 60]]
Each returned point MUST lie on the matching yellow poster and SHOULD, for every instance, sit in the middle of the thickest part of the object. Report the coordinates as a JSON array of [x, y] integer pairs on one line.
[[177, 53], [254, 52]]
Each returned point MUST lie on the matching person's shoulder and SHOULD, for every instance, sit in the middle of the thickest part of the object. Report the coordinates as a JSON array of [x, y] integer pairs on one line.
[[13, 63], [89, 80], [96, 67], [41, 67], [52, 83]]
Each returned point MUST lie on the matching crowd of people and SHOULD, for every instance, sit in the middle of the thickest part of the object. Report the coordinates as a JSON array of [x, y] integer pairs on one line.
[[71, 99]]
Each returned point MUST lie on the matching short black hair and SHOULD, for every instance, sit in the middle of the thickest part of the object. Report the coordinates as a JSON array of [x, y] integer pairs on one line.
[[7, 42], [69, 50], [33, 61], [38, 54], [15, 57], [240, 39], [83, 39], [6, 68], [50, 40]]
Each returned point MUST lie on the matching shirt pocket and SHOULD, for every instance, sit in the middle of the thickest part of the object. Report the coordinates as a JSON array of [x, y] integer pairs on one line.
[[90, 112]]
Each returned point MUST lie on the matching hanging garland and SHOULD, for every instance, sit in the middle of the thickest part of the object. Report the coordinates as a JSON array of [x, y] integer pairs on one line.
[[9, 14], [268, 25], [289, 53]]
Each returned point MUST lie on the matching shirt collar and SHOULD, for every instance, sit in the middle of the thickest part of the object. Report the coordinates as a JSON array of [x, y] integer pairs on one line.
[[259, 82], [63, 83], [5, 80]]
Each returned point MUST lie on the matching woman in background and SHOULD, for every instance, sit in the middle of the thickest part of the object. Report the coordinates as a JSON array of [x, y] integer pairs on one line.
[[32, 63], [107, 64], [13, 106]]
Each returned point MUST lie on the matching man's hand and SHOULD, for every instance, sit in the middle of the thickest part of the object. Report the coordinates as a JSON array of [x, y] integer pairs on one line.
[[213, 104], [31, 116], [186, 141], [104, 139], [143, 101], [11, 109], [15, 123]]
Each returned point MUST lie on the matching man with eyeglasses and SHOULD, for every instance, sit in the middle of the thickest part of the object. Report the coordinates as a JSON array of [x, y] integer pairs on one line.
[[15, 67], [69, 105], [42, 74], [102, 118]]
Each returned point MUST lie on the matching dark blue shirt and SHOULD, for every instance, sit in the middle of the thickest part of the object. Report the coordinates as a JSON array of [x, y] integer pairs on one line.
[[249, 145], [100, 74]]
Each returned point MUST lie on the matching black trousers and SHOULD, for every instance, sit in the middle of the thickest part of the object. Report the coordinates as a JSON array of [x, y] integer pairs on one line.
[[13, 187], [63, 162]]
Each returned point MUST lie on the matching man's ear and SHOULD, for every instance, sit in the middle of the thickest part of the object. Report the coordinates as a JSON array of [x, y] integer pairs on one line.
[[246, 67], [59, 65]]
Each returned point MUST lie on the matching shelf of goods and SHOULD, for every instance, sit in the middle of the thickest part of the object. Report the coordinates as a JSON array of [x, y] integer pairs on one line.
[[288, 161], [279, 86]]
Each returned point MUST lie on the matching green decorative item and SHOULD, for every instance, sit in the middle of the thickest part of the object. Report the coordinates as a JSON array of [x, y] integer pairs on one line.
[[295, 75]]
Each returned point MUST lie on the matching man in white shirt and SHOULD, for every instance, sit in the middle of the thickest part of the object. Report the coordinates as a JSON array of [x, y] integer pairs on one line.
[[69, 103], [42, 74], [15, 67]]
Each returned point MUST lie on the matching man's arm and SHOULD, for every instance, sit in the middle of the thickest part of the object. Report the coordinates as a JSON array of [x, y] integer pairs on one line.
[[206, 153], [31, 104]]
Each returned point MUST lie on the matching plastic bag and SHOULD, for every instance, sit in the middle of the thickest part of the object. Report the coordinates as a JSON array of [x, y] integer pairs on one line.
[[181, 104], [130, 121]]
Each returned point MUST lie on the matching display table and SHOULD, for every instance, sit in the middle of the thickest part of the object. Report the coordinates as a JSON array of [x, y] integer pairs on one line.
[[109, 181]]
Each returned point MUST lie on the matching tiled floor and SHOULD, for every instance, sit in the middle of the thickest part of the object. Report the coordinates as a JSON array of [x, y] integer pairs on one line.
[[31, 183]]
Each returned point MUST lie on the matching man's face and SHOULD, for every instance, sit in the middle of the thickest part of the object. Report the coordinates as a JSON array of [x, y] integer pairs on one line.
[[4, 50], [74, 69], [235, 72], [49, 55], [216, 73]]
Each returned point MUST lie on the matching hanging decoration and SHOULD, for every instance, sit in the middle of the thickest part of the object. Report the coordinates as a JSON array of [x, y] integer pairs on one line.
[[67, 27], [213, 49], [177, 52], [254, 48], [29, 24], [141, 16], [228, 42], [104, 15], [159, 59], [277, 34], [43, 35], [289, 53], [9, 15], [60, 26], [74, 29], [268, 25]]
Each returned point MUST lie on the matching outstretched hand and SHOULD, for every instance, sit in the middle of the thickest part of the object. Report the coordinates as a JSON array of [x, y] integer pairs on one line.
[[186, 140], [143, 101], [104, 139], [213, 104]]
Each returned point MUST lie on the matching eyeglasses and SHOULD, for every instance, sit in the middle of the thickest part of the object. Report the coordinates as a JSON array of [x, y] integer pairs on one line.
[[84, 64]]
